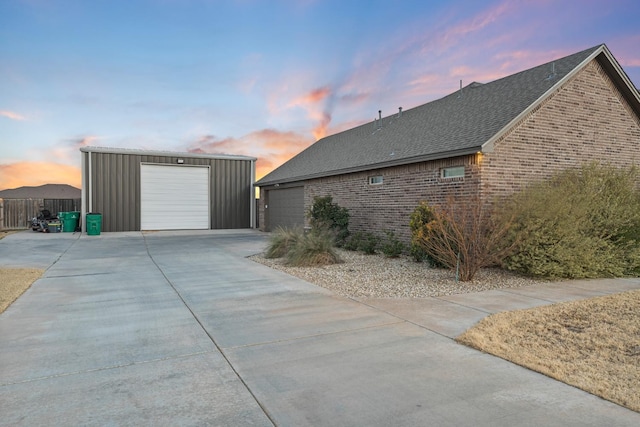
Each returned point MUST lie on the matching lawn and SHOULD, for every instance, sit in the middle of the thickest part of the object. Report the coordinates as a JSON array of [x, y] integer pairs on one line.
[[591, 344]]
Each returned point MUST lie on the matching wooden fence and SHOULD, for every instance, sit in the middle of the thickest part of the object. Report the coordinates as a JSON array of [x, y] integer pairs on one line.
[[16, 214]]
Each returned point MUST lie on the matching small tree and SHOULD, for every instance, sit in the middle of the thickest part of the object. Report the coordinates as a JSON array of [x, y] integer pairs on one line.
[[326, 214], [463, 235]]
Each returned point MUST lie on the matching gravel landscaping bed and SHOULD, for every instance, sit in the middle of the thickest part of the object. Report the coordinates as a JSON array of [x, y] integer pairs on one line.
[[374, 276]]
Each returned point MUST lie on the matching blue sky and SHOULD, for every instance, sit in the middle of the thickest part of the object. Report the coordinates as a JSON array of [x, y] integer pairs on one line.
[[259, 78]]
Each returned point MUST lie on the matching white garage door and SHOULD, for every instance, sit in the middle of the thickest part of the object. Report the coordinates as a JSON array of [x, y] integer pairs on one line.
[[174, 197]]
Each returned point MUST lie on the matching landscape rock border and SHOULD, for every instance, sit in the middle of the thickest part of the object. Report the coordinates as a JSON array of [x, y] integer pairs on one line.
[[375, 276]]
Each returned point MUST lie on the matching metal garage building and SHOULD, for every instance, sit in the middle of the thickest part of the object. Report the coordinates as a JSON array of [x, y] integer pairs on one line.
[[158, 190]]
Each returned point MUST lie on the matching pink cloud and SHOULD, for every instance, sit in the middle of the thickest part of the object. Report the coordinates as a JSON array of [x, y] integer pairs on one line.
[[444, 38], [313, 97], [12, 115], [272, 147], [83, 141], [626, 51], [19, 174]]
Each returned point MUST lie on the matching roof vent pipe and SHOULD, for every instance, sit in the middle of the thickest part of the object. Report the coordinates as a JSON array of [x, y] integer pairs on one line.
[[399, 112], [553, 71], [460, 94]]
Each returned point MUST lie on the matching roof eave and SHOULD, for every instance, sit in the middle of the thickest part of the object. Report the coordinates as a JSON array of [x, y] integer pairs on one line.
[[380, 165], [631, 92], [487, 147], [130, 151]]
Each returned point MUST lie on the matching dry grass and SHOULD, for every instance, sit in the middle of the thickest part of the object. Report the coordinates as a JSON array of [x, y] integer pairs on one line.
[[13, 283], [5, 233], [592, 344]]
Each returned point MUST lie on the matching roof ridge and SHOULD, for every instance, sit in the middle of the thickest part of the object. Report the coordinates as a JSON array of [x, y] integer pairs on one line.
[[459, 122]]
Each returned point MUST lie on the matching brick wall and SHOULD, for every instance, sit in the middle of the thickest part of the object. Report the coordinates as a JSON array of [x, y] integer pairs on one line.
[[388, 206], [585, 120]]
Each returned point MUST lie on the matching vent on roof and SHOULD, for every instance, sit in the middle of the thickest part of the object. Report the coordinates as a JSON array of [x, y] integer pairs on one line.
[[399, 112], [377, 122], [552, 75]]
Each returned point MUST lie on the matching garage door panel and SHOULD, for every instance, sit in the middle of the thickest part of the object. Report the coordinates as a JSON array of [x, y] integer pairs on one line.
[[286, 208], [174, 197]]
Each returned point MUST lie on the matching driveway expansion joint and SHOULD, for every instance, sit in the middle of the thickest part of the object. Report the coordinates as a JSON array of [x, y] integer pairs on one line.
[[513, 292], [220, 349], [462, 305], [341, 331], [405, 320]]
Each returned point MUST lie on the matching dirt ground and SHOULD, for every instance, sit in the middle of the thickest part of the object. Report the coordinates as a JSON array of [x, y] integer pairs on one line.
[[592, 344], [13, 282]]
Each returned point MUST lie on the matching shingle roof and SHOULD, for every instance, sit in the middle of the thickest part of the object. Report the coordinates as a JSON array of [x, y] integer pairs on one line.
[[47, 191], [460, 123]]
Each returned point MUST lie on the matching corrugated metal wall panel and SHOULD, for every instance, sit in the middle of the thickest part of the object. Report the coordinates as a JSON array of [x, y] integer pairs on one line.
[[115, 192]]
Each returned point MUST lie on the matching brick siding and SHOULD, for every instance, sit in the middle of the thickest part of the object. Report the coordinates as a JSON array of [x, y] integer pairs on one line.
[[388, 206], [584, 120]]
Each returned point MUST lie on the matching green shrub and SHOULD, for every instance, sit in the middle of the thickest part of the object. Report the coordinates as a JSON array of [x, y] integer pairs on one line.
[[362, 241], [581, 223], [391, 246], [421, 216], [326, 214], [281, 240], [313, 249], [418, 253], [369, 243], [353, 241]]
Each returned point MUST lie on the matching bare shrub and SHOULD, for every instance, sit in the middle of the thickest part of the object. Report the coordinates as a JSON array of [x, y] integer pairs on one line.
[[463, 235]]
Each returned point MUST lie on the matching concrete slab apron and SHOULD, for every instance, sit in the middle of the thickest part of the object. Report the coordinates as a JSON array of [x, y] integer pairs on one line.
[[102, 338], [199, 335], [312, 358]]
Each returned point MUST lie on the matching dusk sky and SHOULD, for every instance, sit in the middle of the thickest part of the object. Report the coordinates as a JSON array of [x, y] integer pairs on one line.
[[259, 78]]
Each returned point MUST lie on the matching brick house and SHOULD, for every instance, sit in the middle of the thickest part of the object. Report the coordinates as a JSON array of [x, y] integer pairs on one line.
[[487, 139]]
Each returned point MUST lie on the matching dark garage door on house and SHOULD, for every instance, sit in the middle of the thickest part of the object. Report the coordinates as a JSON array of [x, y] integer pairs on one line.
[[285, 208]]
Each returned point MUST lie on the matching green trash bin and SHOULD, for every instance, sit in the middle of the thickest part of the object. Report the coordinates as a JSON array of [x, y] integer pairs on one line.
[[94, 224], [69, 221]]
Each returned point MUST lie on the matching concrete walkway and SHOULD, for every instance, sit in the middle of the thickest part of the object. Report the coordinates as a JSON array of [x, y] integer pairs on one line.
[[179, 328]]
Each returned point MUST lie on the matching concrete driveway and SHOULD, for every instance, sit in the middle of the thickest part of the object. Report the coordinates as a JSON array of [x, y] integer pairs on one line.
[[179, 328]]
